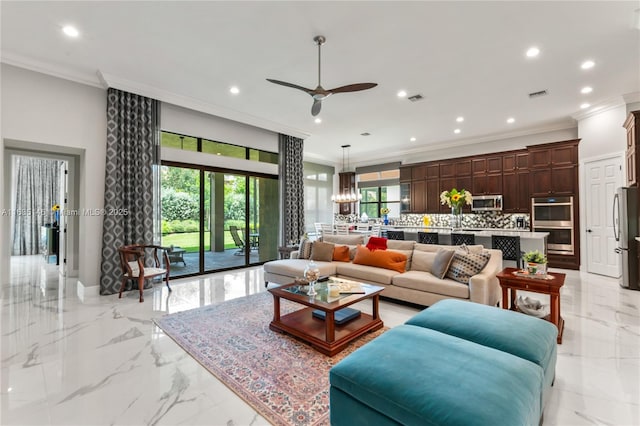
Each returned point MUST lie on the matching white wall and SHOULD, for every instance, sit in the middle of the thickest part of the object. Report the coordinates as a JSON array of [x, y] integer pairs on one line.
[[193, 123], [59, 114]]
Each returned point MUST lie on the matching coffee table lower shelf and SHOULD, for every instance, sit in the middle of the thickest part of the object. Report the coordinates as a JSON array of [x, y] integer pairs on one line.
[[303, 325]]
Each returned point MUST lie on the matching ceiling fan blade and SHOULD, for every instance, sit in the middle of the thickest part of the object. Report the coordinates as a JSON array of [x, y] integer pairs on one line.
[[315, 108], [293, 86], [353, 87]]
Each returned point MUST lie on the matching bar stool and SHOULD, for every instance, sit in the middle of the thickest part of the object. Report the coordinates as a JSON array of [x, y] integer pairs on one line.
[[395, 235], [459, 239], [428, 237], [510, 247]]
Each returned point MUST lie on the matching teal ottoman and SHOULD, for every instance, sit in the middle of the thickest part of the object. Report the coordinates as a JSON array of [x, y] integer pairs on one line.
[[527, 337], [412, 375]]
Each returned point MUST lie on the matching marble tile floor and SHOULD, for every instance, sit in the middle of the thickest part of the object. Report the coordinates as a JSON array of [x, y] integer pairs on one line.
[[101, 361]]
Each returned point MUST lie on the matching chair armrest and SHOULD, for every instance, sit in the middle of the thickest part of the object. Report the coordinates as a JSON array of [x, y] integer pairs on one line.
[[294, 254]]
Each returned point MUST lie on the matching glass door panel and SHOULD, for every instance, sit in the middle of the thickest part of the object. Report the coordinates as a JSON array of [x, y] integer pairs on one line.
[[180, 210], [263, 219]]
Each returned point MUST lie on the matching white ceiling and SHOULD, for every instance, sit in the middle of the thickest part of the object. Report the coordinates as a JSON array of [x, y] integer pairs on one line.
[[466, 59]]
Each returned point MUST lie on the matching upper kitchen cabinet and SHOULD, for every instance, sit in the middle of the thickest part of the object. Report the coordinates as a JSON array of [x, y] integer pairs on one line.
[[487, 175], [632, 125], [553, 169], [515, 182], [405, 173]]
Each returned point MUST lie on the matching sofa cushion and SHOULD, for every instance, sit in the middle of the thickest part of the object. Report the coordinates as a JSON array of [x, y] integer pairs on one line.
[[425, 281], [305, 248], [365, 273], [341, 254], [404, 247], [321, 251], [349, 240], [465, 265], [295, 267], [441, 262], [418, 376], [381, 258], [422, 260], [377, 243]]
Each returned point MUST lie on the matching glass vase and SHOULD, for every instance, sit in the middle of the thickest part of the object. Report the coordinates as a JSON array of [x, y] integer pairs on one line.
[[385, 219], [456, 217], [312, 273]]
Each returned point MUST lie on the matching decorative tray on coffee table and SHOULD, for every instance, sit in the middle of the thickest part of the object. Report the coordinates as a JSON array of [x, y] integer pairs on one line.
[[526, 274]]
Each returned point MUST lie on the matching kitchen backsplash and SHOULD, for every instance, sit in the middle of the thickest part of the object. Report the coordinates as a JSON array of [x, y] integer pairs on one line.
[[469, 220]]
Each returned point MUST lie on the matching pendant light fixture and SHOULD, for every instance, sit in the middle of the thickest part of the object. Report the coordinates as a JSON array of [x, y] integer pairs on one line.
[[347, 192]]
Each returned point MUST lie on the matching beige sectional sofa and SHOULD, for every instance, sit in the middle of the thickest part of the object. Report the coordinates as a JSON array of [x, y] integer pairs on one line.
[[416, 285]]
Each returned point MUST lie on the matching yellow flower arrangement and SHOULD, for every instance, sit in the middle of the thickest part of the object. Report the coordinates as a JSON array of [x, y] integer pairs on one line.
[[426, 220], [384, 211], [455, 198], [55, 208]]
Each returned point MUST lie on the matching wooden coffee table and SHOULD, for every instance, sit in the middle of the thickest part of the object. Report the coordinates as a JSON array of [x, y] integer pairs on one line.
[[323, 334], [511, 283]]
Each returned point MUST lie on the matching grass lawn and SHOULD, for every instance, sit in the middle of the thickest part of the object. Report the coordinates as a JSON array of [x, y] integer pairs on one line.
[[189, 240]]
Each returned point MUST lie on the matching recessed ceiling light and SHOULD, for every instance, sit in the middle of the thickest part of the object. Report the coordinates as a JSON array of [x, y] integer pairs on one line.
[[412, 139], [218, 153], [511, 120], [456, 131], [70, 31], [234, 90], [460, 119], [585, 106], [586, 90], [587, 64], [402, 94], [318, 120], [532, 52]]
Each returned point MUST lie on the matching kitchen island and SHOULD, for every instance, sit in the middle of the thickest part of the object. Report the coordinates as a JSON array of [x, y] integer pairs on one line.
[[528, 240]]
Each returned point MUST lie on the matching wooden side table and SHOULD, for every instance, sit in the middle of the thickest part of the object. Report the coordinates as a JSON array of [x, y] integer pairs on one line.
[[511, 283], [285, 251]]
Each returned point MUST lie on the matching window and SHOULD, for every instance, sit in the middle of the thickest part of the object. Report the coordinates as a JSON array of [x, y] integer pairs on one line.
[[190, 143], [318, 186], [375, 198]]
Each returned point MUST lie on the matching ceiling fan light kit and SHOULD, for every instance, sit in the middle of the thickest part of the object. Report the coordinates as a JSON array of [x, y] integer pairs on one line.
[[320, 93]]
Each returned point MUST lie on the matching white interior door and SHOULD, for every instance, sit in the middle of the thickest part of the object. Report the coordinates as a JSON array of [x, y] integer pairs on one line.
[[62, 223], [602, 177]]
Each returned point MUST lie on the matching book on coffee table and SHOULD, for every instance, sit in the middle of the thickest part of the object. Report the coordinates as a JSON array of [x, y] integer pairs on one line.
[[340, 317]]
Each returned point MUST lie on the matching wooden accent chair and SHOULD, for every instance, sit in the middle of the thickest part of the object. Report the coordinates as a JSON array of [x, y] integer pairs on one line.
[[133, 267]]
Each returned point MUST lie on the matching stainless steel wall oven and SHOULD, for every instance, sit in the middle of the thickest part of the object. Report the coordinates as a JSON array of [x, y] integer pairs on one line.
[[555, 216]]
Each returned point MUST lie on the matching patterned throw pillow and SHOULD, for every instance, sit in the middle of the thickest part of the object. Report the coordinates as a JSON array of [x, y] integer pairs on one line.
[[305, 248], [464, 266]]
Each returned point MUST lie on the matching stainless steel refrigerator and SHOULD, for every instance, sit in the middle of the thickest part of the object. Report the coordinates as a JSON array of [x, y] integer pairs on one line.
[[625, 229]]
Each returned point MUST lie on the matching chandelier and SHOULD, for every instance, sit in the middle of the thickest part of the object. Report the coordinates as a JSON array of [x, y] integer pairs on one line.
[[347, 192]]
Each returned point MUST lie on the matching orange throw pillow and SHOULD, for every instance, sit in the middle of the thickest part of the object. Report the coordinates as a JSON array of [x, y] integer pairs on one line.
[[381, 258], [341, 254]]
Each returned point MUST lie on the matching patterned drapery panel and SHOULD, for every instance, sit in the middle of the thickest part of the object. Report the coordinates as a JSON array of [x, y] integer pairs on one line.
[[36, 184], [291, 187], [129, 183]]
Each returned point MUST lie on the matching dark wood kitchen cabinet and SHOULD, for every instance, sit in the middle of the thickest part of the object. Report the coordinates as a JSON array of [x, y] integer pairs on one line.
[[632, 126], [418, 196], [516, 194], [487, 175], [553, 169]]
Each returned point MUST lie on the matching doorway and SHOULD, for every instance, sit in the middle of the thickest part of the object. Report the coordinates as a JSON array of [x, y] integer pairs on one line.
[[215, 220], [602, 177]]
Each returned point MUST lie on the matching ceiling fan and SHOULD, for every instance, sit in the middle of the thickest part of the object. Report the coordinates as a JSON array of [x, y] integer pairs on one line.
[[319, 93]]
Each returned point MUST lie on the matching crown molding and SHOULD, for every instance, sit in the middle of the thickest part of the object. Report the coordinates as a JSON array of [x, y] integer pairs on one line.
[[607, 104], [110, 80], [87, 78], [399, 155]]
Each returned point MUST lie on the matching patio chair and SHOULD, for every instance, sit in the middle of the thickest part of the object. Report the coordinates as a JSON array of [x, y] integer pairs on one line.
[[237, 240], [133, 267]]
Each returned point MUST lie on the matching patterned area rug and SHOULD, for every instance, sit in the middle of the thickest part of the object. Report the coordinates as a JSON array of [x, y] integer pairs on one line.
[[284, 379]]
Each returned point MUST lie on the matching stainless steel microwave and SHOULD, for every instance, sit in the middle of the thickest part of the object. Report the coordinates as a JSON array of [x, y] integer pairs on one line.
[[485, 203]]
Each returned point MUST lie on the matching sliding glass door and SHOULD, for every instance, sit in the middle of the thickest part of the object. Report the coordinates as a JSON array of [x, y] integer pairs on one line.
[[218, 219]]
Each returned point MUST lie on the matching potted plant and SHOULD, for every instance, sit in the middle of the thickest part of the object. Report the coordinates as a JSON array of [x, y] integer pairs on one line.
[[536, 262]]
